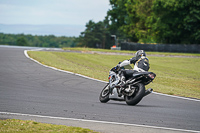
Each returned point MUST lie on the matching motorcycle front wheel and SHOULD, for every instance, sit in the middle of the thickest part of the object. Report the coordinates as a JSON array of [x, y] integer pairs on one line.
[[104, 95], [137, 95]]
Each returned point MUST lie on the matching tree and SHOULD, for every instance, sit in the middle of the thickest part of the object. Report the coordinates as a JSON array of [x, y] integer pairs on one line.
[[37, 41], [95, 35], [161, 21], [139, 15], [22, 42], [119, 20], [129, 18], [177, 21]]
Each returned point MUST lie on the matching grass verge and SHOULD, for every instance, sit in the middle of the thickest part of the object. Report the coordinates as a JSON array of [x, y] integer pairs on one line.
[[130, 52], [175, 76], [13, 125]]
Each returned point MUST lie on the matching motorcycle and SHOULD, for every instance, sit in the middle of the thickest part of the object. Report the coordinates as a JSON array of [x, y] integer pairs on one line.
[[133, 89]]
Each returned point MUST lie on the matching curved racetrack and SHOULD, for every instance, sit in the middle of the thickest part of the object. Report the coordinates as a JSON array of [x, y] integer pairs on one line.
[[30, 88]]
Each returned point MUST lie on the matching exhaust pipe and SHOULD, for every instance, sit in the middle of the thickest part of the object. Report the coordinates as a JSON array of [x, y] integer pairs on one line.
[[147, 92]]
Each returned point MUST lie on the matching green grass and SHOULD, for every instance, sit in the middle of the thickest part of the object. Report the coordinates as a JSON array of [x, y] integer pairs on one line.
[[13, 126], [129, 52], [175, 76]]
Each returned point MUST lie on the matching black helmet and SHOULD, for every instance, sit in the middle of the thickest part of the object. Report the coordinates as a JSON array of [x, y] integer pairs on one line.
[[140, 53]]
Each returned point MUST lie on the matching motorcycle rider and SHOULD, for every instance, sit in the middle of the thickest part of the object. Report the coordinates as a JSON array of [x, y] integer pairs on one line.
[[141, 64]]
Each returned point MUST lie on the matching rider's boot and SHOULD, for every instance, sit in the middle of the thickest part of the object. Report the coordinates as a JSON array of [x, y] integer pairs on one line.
[[120, 86], [122, 82]]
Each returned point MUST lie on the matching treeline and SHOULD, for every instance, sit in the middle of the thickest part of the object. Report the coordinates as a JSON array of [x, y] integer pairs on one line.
[[96, 35], [147, 21], [142, 21], [37, 41]]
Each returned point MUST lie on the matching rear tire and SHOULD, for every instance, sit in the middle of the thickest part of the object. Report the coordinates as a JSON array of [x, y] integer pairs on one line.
[[104, 95], [137, 96]]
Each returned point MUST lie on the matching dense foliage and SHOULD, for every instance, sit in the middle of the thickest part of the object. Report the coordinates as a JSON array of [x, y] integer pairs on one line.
[[148, 21], [96, 35], [37, 41]]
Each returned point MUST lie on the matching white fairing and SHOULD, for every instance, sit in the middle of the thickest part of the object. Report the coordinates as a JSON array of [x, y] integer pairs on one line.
[[115, 96], [112, 84]]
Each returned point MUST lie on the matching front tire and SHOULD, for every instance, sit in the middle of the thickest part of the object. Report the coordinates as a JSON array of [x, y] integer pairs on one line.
[[137, 96], [104, 95]]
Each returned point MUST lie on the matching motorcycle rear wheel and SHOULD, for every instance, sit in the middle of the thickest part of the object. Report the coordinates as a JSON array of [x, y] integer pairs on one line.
[[104, 95], [137, 96]]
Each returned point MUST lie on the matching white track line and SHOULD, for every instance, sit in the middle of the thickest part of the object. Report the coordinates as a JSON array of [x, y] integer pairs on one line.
[[95, 121], [185, 98], [25, 52]]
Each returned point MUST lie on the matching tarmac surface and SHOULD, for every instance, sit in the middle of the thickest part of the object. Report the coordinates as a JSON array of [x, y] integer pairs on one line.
[[51, 96]]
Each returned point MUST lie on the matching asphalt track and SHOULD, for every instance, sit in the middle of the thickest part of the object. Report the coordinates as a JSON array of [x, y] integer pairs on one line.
[[27, 87]]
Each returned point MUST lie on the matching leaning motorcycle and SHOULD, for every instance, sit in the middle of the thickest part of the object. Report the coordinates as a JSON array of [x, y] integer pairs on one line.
[[133, 90]]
